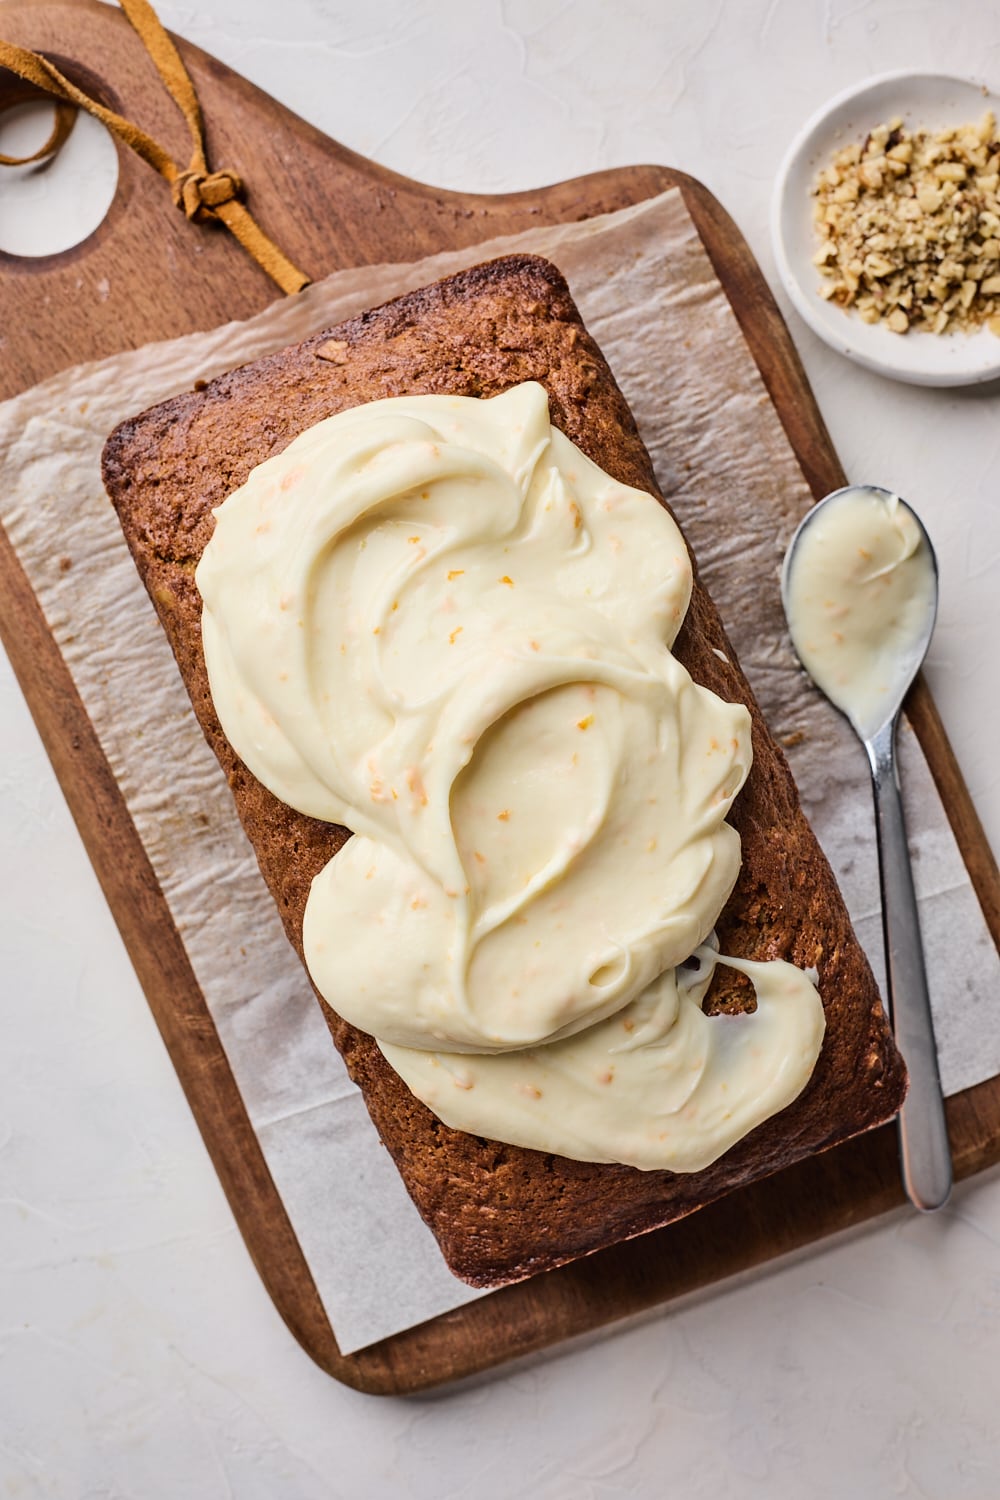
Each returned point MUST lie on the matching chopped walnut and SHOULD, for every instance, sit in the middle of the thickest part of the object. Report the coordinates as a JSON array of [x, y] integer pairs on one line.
[[909, 225]]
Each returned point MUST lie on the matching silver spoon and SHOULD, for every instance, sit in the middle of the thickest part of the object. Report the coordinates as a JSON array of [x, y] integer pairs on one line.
[[923, 1135]]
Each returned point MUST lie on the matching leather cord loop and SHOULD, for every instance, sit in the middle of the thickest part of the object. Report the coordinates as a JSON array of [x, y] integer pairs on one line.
[[62, 125]]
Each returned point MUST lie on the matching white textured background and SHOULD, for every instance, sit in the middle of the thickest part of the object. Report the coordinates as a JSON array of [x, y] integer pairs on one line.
[[139, 1355]]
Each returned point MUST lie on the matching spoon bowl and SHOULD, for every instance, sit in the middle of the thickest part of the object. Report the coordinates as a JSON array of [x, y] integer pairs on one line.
[[859, 586], [890, 627]]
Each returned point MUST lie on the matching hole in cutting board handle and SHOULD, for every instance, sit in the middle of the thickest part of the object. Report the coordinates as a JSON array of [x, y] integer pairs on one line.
[[49, 207]]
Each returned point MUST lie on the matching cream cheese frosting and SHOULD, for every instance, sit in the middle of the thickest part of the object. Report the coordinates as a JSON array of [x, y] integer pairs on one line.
[[658, 1084], [860, 595], [434, 620]]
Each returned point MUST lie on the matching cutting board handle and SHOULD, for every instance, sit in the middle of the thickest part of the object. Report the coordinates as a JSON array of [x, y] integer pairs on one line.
[[160, 276], [326, 206]]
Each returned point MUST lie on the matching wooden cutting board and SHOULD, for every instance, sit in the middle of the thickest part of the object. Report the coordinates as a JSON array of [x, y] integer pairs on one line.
[[329, 209]]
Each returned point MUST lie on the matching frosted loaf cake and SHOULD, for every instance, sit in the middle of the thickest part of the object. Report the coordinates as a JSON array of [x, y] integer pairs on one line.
[[503, 1211]]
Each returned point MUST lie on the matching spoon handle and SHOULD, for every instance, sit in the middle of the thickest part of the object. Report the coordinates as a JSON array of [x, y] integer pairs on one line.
[[923, 1134]]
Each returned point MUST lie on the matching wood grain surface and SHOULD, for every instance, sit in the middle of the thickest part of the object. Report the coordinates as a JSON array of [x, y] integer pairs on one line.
[[328, 209]]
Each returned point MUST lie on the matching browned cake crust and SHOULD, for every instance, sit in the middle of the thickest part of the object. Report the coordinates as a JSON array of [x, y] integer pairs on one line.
[[502, 1212]]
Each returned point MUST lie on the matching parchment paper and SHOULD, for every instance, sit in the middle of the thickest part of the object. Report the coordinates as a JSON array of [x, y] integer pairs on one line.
[[648, 293]]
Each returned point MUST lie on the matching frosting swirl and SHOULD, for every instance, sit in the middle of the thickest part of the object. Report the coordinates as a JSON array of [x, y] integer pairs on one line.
[[436, 621]]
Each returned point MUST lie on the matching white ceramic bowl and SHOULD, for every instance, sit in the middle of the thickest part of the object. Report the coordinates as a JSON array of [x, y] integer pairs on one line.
[[925, 100]]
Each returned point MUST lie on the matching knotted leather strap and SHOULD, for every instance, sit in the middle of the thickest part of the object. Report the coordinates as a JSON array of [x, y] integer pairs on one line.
[[200, 193]]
